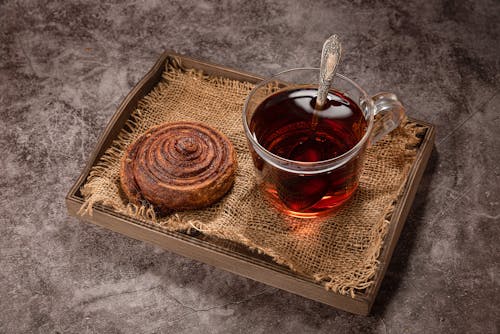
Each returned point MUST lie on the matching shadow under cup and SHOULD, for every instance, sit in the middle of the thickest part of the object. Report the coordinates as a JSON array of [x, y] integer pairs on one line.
[[308, 161]]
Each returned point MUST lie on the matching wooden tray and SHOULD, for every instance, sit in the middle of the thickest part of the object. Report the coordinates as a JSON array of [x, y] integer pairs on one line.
[[226, 255]]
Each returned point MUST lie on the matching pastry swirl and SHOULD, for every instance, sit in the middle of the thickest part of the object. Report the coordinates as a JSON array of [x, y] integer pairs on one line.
[[178, 166]]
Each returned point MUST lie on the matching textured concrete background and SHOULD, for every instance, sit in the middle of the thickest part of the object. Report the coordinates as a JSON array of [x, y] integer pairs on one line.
[[64, 68]]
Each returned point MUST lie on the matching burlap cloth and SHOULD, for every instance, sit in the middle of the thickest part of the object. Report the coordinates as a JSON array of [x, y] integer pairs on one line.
[[341, 252]]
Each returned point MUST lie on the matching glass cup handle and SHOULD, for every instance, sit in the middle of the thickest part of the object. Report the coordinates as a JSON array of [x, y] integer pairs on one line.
[[390, 114]]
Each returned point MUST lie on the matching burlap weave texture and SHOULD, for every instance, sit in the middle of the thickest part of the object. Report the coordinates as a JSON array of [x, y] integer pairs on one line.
[[341, 251]]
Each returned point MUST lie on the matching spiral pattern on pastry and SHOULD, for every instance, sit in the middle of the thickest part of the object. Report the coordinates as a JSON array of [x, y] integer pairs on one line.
[[178, 166]]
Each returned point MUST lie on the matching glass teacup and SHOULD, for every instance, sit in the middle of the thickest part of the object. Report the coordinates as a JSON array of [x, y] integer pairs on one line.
[[308, 161]]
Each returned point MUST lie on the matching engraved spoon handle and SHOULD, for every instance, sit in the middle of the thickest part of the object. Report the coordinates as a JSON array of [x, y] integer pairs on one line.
[[330, 57]]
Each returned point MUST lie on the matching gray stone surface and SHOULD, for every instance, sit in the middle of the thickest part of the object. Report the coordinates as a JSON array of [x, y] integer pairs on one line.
[[66, 65]]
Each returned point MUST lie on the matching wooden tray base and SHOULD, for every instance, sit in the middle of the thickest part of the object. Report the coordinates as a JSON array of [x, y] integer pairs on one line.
[[226, 255]]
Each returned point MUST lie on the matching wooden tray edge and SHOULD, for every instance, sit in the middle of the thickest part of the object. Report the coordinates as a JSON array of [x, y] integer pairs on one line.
[[401, 212], [236, 263]]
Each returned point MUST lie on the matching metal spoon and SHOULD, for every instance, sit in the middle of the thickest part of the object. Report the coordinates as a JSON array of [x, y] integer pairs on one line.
[[330, 57], [311, 190], [310, 149]]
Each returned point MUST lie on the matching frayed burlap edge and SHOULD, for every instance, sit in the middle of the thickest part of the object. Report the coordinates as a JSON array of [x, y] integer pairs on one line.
[[348, 283]]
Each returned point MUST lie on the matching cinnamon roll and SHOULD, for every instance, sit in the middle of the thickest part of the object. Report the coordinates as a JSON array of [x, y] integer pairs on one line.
[[178, 166]]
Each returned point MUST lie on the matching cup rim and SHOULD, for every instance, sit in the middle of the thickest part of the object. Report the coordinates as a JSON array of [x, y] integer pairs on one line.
[[309, 164]]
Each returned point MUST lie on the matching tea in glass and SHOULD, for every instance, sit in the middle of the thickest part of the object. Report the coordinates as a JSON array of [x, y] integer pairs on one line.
[[308, 160], [287, 124]]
